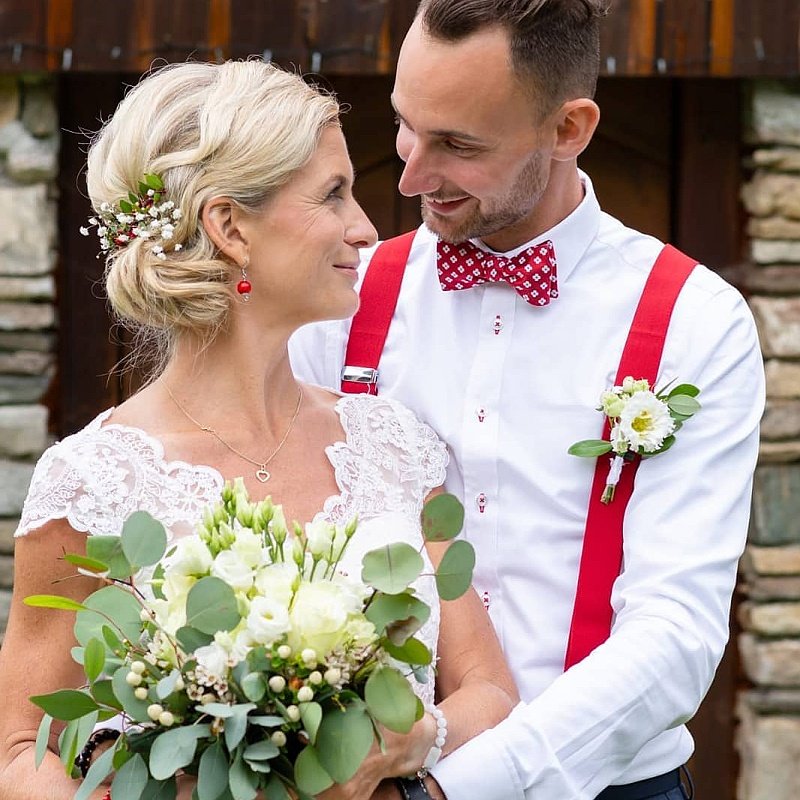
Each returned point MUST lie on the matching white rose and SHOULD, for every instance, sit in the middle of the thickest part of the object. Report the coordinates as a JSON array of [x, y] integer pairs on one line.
[[277, 581], [191, 557], [249, 546], [268, 620], [319, 616], [320, 536], [230, 567], [645, 422], [213, 658]]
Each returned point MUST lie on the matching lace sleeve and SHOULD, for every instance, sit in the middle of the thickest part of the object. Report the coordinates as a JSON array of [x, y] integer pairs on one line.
[[54, 493]]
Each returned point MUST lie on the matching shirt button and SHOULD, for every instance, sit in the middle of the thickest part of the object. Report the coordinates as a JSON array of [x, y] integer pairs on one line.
[[498, 325], [481, 414], [480, 501]]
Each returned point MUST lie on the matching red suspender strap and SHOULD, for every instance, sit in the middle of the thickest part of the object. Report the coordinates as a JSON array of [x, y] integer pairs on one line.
[[601, 559], [379, 293]]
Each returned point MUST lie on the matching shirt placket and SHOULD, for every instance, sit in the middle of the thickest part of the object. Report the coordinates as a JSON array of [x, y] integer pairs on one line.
[[480, 428]]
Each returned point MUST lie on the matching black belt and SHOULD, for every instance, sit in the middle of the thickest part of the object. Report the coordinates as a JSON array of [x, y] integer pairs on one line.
[[643, 789]]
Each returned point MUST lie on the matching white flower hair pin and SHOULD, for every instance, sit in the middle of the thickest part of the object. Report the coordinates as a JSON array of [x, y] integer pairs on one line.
[[642, 423], [143, 216]]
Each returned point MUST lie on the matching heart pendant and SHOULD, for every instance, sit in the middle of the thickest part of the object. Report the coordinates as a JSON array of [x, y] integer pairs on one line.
[[262, 474]]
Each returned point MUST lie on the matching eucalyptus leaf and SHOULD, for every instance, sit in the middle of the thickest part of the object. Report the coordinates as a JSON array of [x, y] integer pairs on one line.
[[412, 651], [309, 774], [136, 709], [160, 790], [391, 568], [276, 790], [113, 642], [166, 686], [110, 602], [398, 615], [242, 782], [103, 692], [211, 606], [590, 448], [454, 574], [100, 769], [212, 778], [191, 639], [311, 715], [442, 518], [261, 751], [94, 659], [267, 721], [43, 739], [174, 749], [143, 539], [216, 710], [683, 404], [52, 601], [254, 686], [88, 564], [108, 549], [685, 388], [236, 726], [390, 699], [66, 704], [130, 780], [343, 740]]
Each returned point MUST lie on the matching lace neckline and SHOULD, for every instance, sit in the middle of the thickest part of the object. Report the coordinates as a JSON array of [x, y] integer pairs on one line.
[[168, 467]]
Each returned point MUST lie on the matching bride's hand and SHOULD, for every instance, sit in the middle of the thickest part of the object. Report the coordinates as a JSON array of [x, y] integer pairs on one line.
[[404, 756]]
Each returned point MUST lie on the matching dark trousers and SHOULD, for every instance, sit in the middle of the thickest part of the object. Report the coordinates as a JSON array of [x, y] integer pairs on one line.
[[663, 787]]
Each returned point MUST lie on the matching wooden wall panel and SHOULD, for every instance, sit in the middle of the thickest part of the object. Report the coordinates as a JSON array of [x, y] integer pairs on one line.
[[23, 32], [684, 37], [273, 28], [766, 37]]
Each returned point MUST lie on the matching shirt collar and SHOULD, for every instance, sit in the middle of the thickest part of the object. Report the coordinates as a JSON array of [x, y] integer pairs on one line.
[[571, 237]]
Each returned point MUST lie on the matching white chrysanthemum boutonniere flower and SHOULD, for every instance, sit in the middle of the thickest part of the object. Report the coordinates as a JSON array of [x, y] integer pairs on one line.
[[642, 422]]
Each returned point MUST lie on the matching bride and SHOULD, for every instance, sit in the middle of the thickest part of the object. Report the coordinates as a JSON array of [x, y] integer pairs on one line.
[[256, 233]]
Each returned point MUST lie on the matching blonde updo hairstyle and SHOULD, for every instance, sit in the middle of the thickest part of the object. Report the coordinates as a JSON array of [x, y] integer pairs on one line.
[[240, 129]]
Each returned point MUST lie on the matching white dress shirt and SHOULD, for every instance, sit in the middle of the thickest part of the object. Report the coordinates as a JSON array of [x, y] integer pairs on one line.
[[510, 387]]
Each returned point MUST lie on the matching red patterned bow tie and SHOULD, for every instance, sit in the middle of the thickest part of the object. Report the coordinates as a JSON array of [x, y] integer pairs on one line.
[[532, 272]]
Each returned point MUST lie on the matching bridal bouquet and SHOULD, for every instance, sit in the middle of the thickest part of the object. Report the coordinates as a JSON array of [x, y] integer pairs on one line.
[[246, 658]]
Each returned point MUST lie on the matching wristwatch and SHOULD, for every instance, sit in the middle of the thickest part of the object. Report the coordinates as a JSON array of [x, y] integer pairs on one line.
[[412, 788]]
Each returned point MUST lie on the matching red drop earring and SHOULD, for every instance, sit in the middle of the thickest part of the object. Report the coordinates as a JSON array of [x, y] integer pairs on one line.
[[244, 287]]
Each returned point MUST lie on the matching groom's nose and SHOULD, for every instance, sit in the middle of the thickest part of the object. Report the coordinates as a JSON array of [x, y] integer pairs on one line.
[[419, 176]]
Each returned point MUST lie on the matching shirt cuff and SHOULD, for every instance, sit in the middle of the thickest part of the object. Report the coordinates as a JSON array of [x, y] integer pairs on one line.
[[479, 768]]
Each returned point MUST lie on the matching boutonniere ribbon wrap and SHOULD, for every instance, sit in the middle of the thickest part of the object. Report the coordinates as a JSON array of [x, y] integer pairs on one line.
[[641, 422]]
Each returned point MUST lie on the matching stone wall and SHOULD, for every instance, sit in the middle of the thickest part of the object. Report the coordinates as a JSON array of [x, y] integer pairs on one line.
[[28, 166], [769, 734]]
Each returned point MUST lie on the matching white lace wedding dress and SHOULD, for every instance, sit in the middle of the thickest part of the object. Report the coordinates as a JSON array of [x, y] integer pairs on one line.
[[384, 469]]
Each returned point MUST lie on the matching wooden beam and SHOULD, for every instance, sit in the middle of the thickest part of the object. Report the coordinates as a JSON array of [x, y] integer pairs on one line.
[[642, 37], [723, 16], [219, 29], [59, 33]]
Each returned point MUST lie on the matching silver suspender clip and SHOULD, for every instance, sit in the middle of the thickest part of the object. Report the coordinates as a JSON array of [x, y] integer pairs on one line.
[[360, 374]]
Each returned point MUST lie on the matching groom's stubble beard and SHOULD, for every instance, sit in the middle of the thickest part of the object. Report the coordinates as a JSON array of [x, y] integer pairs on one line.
[[520, 200]]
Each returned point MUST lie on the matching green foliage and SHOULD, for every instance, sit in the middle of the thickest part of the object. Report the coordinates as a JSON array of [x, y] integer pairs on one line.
[[175, 749], [390, 699], [111, 603], [211, 606], [108, 550], [143, 540], [344, 738], [131, 779], [590, 448], [454, 575], [309, 774], [442, 518], [398, 616], [391, 568], [66, 704], [52, 601], [213, 774]]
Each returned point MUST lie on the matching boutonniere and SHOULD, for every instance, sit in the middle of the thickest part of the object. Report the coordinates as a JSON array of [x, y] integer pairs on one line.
[[643, 423]]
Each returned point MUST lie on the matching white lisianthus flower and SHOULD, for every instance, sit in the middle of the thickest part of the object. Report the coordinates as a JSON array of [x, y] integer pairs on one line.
[[276, 581], [632, 386], [213, 658], [230, 567], [249, 546], [191, 557], [320, 536], [268, 620], [236, 645], [612, 403], [319, 617], [619, 444], [277, 525], [361, 631], [646, 422]]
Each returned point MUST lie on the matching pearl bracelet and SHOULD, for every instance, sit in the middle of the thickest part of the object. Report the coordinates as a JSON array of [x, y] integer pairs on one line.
[[435, 753]]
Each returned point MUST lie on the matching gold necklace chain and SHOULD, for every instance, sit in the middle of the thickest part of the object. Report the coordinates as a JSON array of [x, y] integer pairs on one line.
[[261, 472]]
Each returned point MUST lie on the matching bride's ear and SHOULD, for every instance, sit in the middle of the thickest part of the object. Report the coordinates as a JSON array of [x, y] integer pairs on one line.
[[224, 222]]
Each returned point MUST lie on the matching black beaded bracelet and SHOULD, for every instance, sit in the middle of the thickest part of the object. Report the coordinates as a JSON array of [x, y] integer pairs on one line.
[[84, 759], [412, 788]]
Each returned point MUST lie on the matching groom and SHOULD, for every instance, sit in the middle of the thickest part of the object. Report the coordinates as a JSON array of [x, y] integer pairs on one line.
[[613, 617]]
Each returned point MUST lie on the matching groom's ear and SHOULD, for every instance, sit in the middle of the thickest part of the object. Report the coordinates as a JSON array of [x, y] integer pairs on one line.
[[576, 122], [223, 221]]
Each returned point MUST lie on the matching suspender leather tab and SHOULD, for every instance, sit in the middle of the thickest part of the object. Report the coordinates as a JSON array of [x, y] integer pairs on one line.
[[601, 559], [379, 293]]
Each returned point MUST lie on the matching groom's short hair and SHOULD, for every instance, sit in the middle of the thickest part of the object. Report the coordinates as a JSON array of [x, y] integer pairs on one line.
[[554, 44]]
